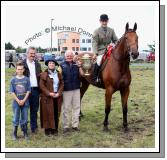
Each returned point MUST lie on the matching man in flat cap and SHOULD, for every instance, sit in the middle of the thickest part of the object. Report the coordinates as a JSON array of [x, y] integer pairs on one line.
[[102, 37]]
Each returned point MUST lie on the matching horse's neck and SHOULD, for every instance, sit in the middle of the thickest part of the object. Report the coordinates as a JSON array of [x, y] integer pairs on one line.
[[119, 56]]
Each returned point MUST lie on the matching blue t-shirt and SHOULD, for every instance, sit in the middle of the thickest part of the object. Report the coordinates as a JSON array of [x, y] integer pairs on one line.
[[20, 87]]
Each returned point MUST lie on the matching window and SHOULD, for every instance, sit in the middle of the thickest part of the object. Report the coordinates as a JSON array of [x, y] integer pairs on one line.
[[89, 49], [63, 41], [64, 48], [88, 40], [60, 41], [73, 40], [77, 40], [83, 40], [84, 49], [73, 48], [66, 35], [77, 48]]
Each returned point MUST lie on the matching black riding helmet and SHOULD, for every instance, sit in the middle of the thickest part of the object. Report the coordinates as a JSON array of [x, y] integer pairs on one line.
[[104, 17]]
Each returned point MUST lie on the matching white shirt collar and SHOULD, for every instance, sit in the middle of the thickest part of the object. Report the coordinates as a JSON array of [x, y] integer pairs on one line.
[[30, 62]]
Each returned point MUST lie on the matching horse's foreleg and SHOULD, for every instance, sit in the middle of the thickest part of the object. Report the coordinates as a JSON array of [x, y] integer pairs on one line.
[[108, 96], [124, 99], [83, 89]]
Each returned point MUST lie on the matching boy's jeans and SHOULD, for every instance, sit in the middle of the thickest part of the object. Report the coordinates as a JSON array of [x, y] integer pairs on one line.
[[20, 115]]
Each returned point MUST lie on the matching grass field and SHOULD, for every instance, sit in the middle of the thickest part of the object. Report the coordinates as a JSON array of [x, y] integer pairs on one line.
[[141, 107]]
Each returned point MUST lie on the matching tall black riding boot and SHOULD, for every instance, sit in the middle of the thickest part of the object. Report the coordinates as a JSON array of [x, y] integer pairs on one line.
[[25, 132], [14, 135], [96, 74]]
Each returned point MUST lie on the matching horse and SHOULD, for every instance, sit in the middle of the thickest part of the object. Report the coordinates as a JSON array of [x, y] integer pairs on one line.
[[116, 74]]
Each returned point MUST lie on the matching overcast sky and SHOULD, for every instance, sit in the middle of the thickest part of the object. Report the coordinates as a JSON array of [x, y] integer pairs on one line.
[[24, 21]]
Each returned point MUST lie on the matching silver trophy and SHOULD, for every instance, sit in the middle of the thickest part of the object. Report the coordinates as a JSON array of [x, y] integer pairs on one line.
[[86, 63]]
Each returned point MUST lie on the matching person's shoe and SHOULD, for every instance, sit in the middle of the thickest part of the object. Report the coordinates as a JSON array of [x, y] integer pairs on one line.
[[25, 132], [54, 132], [66, 130], [26, 137], [34, 131], [14, 135], [47, 132], [75, 129]]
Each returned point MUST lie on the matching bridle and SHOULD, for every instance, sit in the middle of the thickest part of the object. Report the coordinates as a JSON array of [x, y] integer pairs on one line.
[[127, 45]]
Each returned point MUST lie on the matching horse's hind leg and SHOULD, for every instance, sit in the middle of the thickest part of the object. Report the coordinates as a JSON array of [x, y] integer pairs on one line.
[[108, 97], [124, 98]]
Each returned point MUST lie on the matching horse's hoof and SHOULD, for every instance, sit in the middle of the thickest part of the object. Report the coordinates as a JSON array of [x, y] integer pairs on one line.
[[106, 129], [126, 129]]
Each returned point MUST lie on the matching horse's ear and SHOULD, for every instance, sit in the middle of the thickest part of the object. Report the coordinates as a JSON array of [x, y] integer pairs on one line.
[[135, 27], [127, 27]]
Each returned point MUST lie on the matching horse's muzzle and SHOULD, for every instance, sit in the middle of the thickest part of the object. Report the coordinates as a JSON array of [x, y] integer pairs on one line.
[[135, 55]]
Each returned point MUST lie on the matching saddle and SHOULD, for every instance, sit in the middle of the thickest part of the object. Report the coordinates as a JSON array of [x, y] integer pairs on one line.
[[103, 63], [105, 58]]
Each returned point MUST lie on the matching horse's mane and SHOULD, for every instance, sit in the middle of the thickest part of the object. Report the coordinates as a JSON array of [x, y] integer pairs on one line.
[[130, 30]]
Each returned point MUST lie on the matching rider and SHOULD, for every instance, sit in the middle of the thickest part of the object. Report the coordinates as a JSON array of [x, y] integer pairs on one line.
[[102, 37]]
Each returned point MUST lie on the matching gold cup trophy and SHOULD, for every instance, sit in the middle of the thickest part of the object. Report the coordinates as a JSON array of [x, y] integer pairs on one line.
[[86, 63]]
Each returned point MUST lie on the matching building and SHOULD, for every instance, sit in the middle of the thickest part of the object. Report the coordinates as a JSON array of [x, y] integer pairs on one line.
[[73, 41], [68, 41], [85, 43]]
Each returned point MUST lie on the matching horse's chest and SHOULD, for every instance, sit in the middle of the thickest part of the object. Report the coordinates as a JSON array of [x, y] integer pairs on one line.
[[123, 82]]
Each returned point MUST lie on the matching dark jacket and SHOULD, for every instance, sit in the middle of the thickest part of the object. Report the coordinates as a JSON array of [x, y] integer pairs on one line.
[[46, 102], [37, 69], [71, 76], [11, 58]]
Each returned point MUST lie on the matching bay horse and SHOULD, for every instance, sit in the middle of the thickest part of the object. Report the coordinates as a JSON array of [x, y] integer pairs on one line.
[[116, 75]]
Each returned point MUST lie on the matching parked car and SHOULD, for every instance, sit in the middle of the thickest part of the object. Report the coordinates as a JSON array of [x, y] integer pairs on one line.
[[40, 56], [150, 57], [59, 59], [21, 56]]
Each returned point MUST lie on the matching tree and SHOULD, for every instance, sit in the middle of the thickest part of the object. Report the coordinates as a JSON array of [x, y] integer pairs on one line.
[[152, 47], [9, 46], [20, 50]]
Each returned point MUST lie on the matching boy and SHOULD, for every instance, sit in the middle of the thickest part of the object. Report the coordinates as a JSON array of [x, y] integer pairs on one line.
[[20, 90]]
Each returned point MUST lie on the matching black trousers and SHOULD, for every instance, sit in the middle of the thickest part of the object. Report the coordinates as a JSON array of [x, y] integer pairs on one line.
[[11, 64]]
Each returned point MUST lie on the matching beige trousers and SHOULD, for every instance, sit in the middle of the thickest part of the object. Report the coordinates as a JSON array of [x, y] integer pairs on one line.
[[71, 103]]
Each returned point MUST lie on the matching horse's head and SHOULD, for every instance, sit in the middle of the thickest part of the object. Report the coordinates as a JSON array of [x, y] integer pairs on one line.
[[131, 40]]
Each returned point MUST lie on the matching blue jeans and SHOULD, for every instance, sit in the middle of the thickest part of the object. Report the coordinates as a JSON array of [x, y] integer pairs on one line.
[[20, 115], [34, 107]]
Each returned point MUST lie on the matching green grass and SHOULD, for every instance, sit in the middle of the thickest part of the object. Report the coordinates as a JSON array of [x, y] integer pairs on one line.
[[141, 107]]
